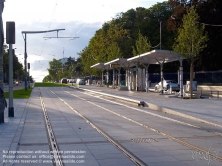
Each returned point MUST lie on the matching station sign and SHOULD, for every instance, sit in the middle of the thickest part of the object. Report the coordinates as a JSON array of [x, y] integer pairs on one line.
[[113, 66]]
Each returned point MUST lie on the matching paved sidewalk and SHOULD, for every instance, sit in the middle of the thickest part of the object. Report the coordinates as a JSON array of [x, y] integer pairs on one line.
[[26, 135], [206, 109], [27, 132]]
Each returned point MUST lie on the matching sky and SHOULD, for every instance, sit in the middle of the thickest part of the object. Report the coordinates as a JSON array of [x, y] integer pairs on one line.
[[80, 19]]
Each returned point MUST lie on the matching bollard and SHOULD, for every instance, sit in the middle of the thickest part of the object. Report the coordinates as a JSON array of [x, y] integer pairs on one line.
[[3, 105], [170, 89]]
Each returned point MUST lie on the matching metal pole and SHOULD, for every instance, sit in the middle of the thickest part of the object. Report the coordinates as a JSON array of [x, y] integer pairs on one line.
[[113, 78], [1, 58], [147, 79], [102, 78], [25, 64], [107, 77], [160, 34], [126, 78], [28, 78], [137, 78], [119, 77], [181, 78], [10, 108], [161, 74], [130, 79]]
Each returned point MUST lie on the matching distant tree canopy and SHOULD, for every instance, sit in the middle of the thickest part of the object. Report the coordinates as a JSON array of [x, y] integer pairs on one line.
[[123, 35], [70, 69], [18, 72]]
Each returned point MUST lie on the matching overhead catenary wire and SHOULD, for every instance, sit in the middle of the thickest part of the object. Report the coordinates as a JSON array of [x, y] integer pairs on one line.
[[55, 6]]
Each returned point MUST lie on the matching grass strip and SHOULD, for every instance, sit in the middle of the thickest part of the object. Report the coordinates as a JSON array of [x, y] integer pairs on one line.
[[20, 94], [49, 84]]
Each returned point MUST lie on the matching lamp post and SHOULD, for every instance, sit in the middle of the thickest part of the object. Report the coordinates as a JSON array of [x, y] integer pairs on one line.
[[25, 53], [161, 64], [160, 33]]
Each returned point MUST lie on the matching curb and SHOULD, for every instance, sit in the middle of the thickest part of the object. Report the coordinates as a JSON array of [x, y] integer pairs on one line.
[[154, 107], [138, 102]]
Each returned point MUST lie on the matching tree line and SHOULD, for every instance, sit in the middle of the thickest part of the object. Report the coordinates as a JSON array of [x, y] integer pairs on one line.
[[137, 31], [18, 70]]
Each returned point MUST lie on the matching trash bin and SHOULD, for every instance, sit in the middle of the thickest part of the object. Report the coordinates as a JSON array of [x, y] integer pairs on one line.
[[194, 85], [3, 105]]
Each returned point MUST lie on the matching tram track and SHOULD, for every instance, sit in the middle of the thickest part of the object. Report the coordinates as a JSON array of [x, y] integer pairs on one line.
[[159, 116], [57, 160], [117, 144], [149, 106], [180, 141], [55, 147]]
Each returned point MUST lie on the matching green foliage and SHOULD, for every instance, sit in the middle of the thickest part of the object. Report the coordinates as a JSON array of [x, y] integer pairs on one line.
[[48, 84], [20, 94], [127, 32], [191, 38], [142, 45], [47, 78], [55, 70], [113, 51], [18, 71]]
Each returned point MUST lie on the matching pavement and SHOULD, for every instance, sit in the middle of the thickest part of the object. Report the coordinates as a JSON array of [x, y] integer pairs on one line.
[[26, 131], [207, 110]]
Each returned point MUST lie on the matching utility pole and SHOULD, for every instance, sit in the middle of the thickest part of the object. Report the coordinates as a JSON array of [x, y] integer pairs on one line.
[[10, 39], [2, 107], [25, 52]]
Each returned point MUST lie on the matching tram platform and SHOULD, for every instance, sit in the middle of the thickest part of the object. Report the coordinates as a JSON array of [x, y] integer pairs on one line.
[[26, 133]]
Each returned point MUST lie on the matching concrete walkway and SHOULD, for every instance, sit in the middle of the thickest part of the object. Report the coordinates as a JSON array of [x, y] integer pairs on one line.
[[205, 109], [26, 132]]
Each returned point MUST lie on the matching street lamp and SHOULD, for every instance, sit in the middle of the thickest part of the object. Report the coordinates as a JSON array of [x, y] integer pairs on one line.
[[161, 64]]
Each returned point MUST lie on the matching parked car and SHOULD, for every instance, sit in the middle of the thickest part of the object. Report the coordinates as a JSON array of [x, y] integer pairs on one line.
[[80, 81], [64, 81], [15, 82], [167, 84], [72, 80]]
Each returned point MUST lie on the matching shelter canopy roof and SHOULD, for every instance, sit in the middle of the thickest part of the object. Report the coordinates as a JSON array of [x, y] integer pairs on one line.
[[155, 57], [117, 63], [152, 57], [98, 66]]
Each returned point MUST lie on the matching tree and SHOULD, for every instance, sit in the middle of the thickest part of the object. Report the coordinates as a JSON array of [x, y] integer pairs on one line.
[[142, 45], [18, 71], [47, 79], [55, 69], [191, 40], [113, 51]]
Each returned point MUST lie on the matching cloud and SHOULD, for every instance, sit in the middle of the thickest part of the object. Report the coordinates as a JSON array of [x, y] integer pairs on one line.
[[80, 19], [41, 51]]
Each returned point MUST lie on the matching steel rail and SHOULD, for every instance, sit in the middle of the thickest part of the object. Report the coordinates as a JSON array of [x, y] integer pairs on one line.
[[163, 117], [162, 109], [191, 146], [53, 144], [126, 152]]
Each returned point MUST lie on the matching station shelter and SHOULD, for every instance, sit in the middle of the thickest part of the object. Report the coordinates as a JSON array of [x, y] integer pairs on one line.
[[137, 78]]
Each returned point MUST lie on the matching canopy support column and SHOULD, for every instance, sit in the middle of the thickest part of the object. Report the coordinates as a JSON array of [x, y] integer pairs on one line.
[[161, 77], [137, 78], [147, 78], [130, 79], [181, 77], [102, 78], [107, 78], [119, 77], [126, 77], [113, 78]]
